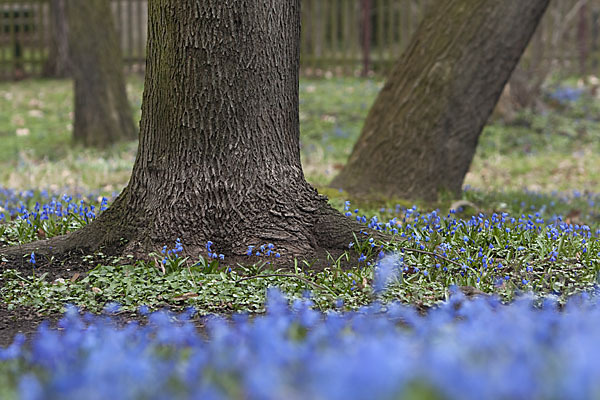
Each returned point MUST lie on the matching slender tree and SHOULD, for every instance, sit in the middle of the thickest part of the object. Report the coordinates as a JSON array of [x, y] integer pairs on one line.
[[219, 156], [102, 113], [420, 135], [58, 64]]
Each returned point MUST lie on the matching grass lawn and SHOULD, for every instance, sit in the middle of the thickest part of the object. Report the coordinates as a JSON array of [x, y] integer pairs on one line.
[[557, 151]]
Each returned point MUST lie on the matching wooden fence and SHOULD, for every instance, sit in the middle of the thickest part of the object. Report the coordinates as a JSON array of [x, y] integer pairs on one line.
[[25, 35], [338, 36], [349, 36], [23, 29]]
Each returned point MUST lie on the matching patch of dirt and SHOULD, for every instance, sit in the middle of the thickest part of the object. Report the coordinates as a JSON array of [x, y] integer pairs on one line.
[[22, 319], [26, 320], [64, 266]]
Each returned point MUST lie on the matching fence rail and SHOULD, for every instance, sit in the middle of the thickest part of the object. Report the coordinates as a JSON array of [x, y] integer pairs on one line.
[[338, 36]]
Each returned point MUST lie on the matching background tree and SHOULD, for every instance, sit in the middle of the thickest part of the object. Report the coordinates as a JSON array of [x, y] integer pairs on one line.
[[58, 64], [219, 153], [524, 88], [421, 134], [102, 113]]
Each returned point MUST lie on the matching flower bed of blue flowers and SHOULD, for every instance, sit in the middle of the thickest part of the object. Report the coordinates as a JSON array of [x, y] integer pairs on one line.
[[463, 349], [533, 347]]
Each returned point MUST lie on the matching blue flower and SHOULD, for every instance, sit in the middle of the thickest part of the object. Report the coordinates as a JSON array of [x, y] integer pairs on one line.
[[112, 308], [32, 258], [178, 247], [30, 388], [387, 268]]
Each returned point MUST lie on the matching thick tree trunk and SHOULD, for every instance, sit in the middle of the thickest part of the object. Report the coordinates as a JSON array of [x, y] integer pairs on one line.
[[58, 63], [102, 112], [420, 135], [219, 155]]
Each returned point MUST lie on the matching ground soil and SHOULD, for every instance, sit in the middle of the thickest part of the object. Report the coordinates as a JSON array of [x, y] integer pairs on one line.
[[23, 319], [26, 320]]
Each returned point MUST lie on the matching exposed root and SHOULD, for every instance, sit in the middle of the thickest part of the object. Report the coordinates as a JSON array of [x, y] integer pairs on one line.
[[319, 235]]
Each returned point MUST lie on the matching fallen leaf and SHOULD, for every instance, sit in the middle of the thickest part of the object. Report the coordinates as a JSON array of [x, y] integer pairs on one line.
[[185, 296]]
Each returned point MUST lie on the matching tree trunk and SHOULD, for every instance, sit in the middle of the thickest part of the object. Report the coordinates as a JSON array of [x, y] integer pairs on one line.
[[365, 20], [102, 113], [420, 135], [219, 155], [58, 63]]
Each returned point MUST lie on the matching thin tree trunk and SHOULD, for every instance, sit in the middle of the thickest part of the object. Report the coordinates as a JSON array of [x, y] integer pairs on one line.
[[420, 135], [366, 35], [219, 155], [102, 113], [58, 64], [583, 47]]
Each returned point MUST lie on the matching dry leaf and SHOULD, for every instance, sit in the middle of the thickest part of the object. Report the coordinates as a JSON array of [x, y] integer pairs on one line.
[[185, 296]]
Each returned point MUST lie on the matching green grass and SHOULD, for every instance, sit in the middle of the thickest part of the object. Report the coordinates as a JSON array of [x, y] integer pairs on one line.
[[544, 163], [36, 140], [557, 151], [332, 112]]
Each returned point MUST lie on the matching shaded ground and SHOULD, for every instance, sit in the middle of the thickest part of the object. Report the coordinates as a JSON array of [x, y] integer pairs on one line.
[[27, 319], [24, 320]]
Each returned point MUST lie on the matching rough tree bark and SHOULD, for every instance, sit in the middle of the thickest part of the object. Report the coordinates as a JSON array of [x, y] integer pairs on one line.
[[420, 135], [102, 113], [58, 63], [219, 155]]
